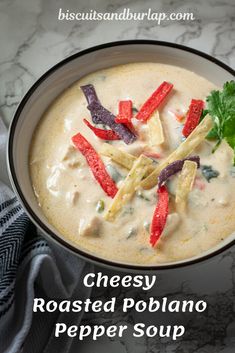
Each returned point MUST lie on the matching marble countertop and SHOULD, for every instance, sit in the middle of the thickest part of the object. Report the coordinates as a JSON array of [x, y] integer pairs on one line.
[[32, 40]]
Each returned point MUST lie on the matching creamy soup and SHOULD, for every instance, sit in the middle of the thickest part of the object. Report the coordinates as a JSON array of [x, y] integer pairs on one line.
[[75, 203]]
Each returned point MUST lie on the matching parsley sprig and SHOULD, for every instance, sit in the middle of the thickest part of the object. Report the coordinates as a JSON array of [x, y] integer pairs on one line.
[[221, 107]]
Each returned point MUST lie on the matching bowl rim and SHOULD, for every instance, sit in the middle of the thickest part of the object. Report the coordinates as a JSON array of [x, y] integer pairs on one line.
[[33, 216]]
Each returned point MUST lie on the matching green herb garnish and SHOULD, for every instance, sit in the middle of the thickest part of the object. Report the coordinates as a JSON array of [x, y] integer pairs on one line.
[[208, 172], [141, 195], [221, 107], [128, 211]]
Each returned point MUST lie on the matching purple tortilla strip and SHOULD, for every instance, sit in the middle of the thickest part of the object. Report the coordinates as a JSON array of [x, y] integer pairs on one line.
[[174, 168], [108, 119], [91, 96]]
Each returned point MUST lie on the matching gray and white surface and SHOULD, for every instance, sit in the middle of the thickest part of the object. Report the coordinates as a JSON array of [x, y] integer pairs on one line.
[[31, 41]]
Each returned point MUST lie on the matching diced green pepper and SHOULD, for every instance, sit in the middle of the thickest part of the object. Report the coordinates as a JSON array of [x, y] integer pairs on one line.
[[100, 206]]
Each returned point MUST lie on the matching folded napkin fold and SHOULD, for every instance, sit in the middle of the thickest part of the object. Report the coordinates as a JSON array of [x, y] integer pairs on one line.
[[30, 268]]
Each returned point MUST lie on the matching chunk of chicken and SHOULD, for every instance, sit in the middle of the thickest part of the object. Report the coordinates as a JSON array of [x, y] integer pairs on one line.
[[223, 201], [71, 157], [173, 221], [91, 227], [72, 197]]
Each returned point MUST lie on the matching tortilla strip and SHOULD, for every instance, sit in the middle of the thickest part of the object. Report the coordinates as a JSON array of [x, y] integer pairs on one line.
[[155, 130], [185, 184], [128, 187], [123, 158], [183, 150]]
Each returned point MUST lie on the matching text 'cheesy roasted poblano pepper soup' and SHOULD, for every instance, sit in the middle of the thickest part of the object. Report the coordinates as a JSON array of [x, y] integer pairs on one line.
[[135, 163]]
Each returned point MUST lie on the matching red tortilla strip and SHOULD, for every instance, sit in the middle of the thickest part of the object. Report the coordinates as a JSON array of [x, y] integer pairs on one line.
[[154, 101], [96, 165]]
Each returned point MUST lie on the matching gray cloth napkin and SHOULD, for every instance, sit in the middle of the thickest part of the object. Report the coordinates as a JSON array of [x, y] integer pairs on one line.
[[30, 268]]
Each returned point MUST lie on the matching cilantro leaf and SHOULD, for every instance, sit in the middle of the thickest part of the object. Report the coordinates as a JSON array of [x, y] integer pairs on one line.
[[213, 134], [221, 107]]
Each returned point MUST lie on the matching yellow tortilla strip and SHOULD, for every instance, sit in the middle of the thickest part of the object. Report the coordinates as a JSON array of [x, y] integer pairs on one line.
[[184, 149], [123, 158], [155, 130], [128, 187], [185, 184]]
